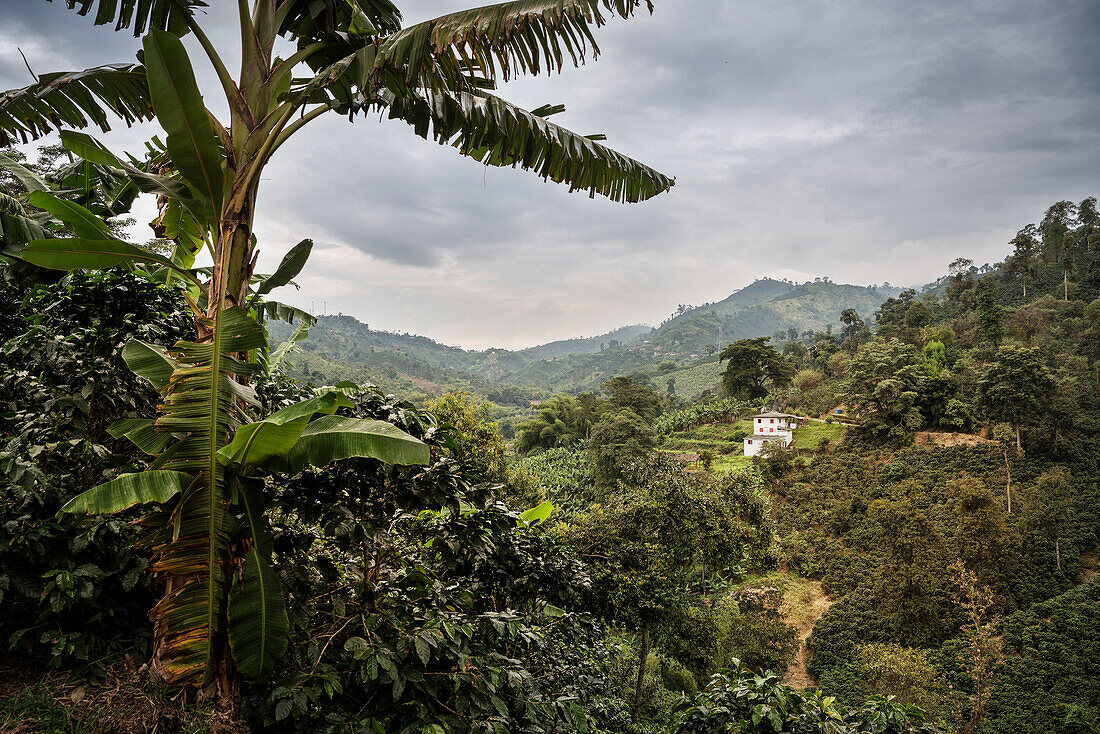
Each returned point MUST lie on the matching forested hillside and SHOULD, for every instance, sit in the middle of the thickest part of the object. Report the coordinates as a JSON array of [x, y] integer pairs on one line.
[[419, 367]]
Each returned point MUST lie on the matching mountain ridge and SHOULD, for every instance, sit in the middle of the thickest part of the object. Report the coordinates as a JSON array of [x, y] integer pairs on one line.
[[762, 308]]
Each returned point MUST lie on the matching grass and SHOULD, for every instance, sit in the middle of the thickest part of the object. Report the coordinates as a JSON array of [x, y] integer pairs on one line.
[[34, 702], [809, 436]]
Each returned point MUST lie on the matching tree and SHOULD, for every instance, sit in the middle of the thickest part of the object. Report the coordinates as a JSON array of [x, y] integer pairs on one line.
[[1047, 511], [907, 584], [559, 422], [475, 439], [754, 368], [983, 651], [643, 543], [1057, 242], [618, 439], [854, 331], [626, 393], [981, 535], [1023, 260], [1015, 387], [432, 75], [884, 388]]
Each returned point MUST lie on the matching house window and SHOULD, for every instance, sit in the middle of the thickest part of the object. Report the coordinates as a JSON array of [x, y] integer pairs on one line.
[[772, 420], [750, 442]]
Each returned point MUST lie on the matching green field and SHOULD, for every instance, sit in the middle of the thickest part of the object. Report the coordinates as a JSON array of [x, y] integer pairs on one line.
[[692, 381], [722, 440], [809, 436]]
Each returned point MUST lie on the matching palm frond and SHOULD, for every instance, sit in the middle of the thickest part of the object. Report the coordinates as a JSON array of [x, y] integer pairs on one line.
[[202, 400], [75, 99], [165, 15], [502, 40], [496, 132]]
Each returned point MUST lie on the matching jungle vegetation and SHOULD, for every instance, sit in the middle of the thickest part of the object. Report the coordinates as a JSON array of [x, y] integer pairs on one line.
[[191, 538]]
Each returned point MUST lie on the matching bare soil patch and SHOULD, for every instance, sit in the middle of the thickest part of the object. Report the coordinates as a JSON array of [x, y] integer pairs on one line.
[[804, 601], [946, 438]]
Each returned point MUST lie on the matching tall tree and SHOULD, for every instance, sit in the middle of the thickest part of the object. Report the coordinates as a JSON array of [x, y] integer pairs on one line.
[[1016, 387], [436, 76], [1025, 252], [1057, 243], [626, 393], [884, 388], [754, 368]]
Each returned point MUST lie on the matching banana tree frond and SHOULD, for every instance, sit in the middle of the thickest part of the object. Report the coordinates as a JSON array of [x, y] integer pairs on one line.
[[165, 15], [503, 40], [79, 253], [284, 350], [75, 99], [128, 490], [333, 437], [283, 312], [180, 110], [150, 362], [258, 624], [202, 400], [78, 218], [10, 205], [142, 433], [255, 443], [291, 264], [308, 20], [30, 180], [498, 133]]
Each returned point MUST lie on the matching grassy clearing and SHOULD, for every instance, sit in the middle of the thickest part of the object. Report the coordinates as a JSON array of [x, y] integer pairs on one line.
[[809, 436]]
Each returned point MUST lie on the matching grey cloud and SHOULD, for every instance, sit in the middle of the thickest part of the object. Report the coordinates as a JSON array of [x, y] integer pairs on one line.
[[863, 140]]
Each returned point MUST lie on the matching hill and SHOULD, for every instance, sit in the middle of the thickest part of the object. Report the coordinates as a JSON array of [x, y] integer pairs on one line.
[[340, 347]]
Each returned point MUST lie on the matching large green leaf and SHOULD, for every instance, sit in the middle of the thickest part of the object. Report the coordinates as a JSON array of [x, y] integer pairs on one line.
[[275, 436], [75, 253], [142, 433], [255, 443], [82, 222], [166, 15], [519, 37], [31, 181], [292, 264], [203, 401], [181, 112], [128, 490], [300, 334], [75, 99], [258, 625], [496, 132], [149, 361], [283, 312], [333, 437]]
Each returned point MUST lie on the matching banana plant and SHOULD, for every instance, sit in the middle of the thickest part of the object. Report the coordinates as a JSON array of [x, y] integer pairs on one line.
[[351, 57]]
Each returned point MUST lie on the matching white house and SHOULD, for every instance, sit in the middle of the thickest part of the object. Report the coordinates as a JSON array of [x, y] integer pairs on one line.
[[771, 428]]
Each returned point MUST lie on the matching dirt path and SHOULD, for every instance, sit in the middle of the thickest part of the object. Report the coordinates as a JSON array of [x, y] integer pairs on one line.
[[804, 601]]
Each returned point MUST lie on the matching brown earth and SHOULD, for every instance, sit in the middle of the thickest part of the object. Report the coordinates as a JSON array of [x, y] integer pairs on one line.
[[126, 701], [804, 601], [946, 438], [1089, 563]]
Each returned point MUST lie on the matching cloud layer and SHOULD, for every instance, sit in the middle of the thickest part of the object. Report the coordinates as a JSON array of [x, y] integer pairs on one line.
[[862, 140]]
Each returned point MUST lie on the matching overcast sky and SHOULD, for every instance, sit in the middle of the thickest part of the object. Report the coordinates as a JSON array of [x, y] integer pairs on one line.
[[864, 140]]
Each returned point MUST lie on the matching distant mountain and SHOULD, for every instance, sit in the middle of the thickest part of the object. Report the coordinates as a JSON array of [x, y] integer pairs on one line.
[[586, 345], [763, 308], [342, 347]]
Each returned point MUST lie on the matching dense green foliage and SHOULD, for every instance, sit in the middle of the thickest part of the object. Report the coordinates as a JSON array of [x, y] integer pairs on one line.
[[74, 590]]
